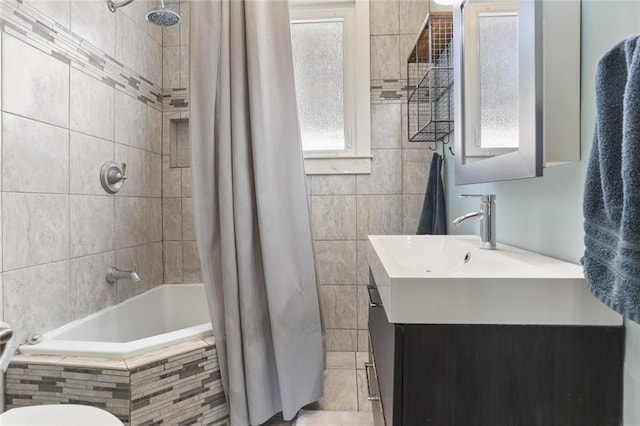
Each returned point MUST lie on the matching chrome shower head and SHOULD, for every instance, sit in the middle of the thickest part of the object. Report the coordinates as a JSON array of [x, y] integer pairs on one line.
[[163, 17]]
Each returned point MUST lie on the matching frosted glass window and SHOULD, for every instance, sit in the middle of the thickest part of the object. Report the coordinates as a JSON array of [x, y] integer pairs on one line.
[[498, 45], [318, 62]]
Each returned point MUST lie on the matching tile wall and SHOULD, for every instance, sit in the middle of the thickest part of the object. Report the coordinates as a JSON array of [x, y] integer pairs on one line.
[[80, 86], [177, 385], [347, 208], [89, 110], [181, 260]]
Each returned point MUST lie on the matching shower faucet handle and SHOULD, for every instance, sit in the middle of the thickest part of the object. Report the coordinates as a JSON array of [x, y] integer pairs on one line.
[[112, 175], [117, 175]]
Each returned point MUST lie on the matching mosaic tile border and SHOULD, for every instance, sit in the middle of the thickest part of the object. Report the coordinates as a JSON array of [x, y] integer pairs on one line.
[[175, 100], [388, 91], [182, 387], [29, 25]]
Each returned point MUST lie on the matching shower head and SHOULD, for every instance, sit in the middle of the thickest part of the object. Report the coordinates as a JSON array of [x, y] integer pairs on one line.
[[163, 17]]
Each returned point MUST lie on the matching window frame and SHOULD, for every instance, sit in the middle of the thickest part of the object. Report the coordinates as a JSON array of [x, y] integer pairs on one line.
[[356, 158]]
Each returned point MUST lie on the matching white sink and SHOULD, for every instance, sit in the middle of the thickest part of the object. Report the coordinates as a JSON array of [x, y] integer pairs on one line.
[[450, 280]]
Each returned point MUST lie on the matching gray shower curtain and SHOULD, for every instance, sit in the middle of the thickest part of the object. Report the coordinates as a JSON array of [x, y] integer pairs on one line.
[[251, 211]]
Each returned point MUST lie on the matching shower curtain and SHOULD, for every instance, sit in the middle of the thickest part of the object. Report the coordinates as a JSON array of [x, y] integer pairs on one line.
[[251, 212]]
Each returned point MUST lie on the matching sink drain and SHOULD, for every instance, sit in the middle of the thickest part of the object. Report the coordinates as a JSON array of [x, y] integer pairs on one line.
[[467, 257]]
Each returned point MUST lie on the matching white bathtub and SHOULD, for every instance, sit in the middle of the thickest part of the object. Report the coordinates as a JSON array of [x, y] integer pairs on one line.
[[163, 316]]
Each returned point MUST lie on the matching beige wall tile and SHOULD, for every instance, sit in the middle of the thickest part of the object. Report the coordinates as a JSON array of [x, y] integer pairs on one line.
[[172, 253], [384, 57], [154, 206], [87, 155], [191, 262], [384, 17], [335, 262], [415, 170], [186, 182], [171, 35], [131, 224], [39, 86], [170, 67], [94, 22], [154, 175], [333, 184], [156, 276], [184, 67], [93, 224], [385, 125], [185, 13], [379, 215], [188, 231], [333, 217], [154, 130], [35, 229], [363, 265], [363, 307], [92, 106], [136, 170], [36, 299], [386, 173], [411, 211], [131, 121], [172, 219], [58, 11], [127, 259], [412, 15], [338, 306], [154, 58], [171, 179], [89, 288], [131, 48], [35, 156]]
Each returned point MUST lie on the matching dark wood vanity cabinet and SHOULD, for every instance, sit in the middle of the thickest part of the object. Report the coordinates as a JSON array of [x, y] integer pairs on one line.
[[494, 375]]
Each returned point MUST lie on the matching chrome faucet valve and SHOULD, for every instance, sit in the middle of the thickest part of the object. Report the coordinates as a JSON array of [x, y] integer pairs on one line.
[[487, 216], [112, 175]]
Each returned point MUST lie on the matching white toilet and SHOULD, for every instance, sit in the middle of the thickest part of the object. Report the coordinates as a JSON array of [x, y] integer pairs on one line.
[[60, 414]]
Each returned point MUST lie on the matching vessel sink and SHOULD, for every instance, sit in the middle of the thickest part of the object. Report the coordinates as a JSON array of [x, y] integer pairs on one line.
[[450, 280]]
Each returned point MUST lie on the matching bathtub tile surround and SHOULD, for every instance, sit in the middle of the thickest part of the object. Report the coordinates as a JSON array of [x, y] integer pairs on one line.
[[176, 385], [74, 95]]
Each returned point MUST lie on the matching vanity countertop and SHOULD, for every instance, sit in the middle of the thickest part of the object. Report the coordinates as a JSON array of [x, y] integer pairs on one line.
[[449, 280]]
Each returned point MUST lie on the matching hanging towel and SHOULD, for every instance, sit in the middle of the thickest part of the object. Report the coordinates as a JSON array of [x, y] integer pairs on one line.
[[433, 219], [612, 194]]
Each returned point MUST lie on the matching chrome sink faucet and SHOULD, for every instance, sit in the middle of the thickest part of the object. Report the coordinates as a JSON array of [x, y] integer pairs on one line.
[[487, 216], [115, 274]]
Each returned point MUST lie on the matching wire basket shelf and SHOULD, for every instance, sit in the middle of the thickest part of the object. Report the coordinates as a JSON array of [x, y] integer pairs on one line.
[[430, 81]]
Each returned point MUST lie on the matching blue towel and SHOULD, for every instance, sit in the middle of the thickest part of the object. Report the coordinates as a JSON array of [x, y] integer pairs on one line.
[[433, 219], [612, 192]]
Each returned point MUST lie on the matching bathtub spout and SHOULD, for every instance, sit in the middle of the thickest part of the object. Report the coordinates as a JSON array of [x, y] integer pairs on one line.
[[115, 274]]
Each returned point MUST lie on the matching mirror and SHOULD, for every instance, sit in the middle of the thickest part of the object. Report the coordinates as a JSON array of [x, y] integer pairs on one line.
[[498, 86]]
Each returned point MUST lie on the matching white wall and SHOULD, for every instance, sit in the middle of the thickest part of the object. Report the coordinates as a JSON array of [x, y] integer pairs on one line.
[[545, 214]]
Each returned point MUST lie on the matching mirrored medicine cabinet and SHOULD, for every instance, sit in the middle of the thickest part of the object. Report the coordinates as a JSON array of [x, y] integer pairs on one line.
[[516, 87]]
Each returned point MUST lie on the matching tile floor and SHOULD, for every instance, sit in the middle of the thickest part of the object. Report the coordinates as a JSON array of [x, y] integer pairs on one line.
[[344, 402]]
